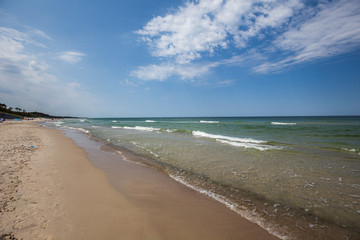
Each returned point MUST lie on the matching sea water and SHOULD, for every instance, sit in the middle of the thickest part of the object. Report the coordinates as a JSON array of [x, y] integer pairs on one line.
[[294, 173]]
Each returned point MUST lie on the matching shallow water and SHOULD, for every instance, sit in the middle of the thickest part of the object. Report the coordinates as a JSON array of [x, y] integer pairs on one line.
[[310, 165]]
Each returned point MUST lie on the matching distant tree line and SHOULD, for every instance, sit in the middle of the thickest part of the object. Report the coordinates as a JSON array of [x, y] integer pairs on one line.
[[23, 113]]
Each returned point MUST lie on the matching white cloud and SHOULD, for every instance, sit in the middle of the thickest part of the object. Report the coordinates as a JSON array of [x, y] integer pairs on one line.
[[165, 71], [71, 57], [334, 30], [207, 25], [128, 83], [25, 80], [193, 71], [291, 31]]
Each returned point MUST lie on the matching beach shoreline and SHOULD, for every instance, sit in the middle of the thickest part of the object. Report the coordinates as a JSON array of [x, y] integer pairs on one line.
[[52, 191]]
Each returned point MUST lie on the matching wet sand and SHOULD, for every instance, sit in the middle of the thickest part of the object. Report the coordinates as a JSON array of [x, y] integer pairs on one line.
[[57, 190]]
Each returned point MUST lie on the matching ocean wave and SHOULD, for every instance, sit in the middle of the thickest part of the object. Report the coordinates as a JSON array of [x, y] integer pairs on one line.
[[238, 142], [140, 128], [58, 124], [143, 128], [202, 121], [283, 123], [146, 149], [78, 129], [349, 149], [353, 150], [250, 145], [232, 139], [150, 121], [114, 121]]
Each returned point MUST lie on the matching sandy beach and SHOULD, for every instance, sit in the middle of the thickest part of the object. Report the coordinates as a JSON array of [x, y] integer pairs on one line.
[[50, 190]]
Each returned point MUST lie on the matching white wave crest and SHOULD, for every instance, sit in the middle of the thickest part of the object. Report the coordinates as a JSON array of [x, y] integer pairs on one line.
[[149, 129], [114, 121], [354, 150], [349, 149], [202, 121], [78, 129], [283, 123], [59, 124], [249, 145], [238, 142], [150, 121], [232, 139]]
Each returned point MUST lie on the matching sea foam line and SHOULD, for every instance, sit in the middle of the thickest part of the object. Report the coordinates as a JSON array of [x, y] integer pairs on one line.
[[202, 121], [232, 139], [249, 215], [237, 142], [127, 160], [249, 145], [283, 123], [140, 128]]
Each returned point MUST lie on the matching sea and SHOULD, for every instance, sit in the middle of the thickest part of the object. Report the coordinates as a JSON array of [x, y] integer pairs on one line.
[[297, 177]]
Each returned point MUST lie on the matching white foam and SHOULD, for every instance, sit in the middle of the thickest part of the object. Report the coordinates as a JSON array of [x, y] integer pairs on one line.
[[58, 124], [283, 123], [127, 160], [114, 121], [238, 142], [249, 145], [170, 130], [249, 215], [349, 149], [232, 139], [202, 121], [150, 121], [150, 129], [82, 120], [79, 129]]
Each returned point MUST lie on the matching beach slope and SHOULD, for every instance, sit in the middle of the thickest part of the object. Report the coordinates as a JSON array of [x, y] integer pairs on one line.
[[50, 190]]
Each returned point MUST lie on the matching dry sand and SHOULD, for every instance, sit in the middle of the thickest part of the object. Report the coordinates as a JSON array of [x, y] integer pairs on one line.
[[52, 191]]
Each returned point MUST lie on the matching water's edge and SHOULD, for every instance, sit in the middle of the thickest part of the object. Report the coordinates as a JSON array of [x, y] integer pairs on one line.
[[277, 218]]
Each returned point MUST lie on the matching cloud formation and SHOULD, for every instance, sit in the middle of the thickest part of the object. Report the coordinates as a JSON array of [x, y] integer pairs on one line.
[[165, 71], [25, 80], [289, 31], [71, 57], [335, 29]]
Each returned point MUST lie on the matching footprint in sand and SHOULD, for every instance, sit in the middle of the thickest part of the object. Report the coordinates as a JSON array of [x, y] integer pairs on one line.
[[17, 226], [45, 224]]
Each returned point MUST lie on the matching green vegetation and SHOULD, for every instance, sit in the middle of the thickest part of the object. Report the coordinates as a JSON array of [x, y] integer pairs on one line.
[[21, 113]]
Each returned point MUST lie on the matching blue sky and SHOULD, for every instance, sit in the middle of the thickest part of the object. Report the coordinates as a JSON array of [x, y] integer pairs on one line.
[[181, 58]]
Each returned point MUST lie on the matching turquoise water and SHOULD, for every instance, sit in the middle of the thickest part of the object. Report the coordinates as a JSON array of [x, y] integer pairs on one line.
[[310, 165]]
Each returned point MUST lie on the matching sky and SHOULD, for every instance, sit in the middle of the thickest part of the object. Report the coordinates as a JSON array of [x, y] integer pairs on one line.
[[180, 58]]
